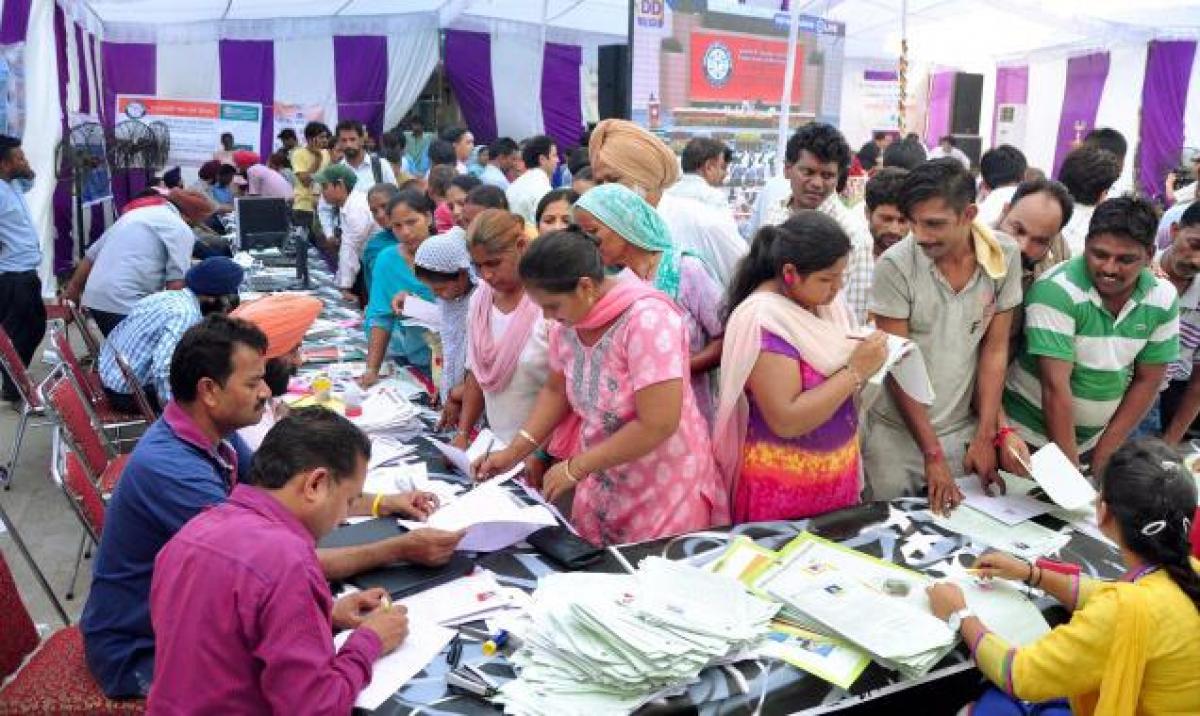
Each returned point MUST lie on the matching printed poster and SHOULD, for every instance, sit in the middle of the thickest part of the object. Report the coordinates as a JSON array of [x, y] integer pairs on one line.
[[196, 125]]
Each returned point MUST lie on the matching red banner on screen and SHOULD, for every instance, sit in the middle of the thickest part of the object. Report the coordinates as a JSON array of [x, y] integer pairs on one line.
[[734, 68]]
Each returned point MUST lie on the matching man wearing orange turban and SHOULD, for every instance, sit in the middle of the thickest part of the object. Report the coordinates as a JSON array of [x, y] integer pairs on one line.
[[623, 152], [284, 318]]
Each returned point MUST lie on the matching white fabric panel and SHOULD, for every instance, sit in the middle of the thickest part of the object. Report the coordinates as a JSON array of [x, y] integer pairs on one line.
[[1121, 103], [517, 59], [1191, 113], [1047, 87], [191, 71], [412, 58], [43, 126], [304, 75], [93, 78], [73, 76], [987, 107]]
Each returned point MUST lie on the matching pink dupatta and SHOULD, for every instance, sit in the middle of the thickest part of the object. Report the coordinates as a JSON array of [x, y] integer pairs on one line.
[[820, 338], [495, 361]]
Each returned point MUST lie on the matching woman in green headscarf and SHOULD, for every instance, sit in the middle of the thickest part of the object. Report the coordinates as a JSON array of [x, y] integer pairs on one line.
[[632, 235]]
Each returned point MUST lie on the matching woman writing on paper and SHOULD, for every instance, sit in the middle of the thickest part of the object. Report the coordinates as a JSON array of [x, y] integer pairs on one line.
[[786, 433], [443, 264], [632, 235], [411, 216], [619, 360], [1131, 646], [507, 346]]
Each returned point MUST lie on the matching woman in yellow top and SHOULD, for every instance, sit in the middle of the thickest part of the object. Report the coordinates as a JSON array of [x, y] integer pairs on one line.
[[1132, 646]]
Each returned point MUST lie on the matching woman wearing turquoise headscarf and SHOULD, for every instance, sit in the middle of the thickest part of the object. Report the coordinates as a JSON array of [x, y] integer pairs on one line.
[[632, 235]]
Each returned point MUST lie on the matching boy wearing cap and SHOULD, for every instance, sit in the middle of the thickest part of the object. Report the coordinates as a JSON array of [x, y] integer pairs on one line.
[[147, 337], [352, 225]]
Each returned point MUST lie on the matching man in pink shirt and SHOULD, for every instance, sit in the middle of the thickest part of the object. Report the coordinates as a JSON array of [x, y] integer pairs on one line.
[[242, 614], [261, 180]]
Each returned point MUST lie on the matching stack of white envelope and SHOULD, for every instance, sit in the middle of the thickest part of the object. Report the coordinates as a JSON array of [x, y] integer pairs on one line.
[[386, 411], [609, 643]]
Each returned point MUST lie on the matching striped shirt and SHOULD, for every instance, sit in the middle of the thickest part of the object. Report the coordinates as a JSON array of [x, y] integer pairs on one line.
[[1065, 319], [146, 338], [1189, 330]]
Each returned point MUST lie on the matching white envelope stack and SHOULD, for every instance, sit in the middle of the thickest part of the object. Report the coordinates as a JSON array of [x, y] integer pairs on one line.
[[609, 643]]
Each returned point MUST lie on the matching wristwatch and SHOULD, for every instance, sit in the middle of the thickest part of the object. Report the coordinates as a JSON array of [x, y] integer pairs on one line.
[[955, 620]]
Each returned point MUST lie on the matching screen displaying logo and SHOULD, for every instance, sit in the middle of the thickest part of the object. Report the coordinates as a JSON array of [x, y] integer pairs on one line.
[[135, 109], [718, 64]]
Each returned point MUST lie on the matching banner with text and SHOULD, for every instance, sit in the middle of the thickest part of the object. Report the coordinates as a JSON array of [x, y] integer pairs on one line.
[[728, 67], [196, 126]]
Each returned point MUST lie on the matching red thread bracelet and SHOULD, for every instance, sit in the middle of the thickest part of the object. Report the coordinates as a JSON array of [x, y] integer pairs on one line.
[[1001, 434]]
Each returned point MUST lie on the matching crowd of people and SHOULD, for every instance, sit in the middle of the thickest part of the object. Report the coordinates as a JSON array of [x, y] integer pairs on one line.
[[654, 371]]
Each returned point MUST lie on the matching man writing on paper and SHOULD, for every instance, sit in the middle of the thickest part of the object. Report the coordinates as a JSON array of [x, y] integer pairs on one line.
[[241, 610], [950, 287], [189, 460], [1100, 331]]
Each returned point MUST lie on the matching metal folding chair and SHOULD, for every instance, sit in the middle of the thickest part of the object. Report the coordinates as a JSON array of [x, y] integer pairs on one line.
[[90, 386], [80, 316], [30, 404]]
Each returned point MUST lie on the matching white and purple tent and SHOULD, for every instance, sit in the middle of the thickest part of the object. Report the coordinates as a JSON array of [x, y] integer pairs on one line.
[[516, 65]]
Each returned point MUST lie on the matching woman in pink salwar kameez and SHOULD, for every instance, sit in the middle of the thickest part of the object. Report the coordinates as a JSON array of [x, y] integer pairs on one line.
[[619, 360]]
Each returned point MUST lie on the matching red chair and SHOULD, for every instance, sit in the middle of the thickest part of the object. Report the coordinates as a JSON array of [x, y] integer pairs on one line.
[[92, 454], [31, 405], [79, 317], [135, 389], [89, 469], [55, 679], [89, 384]]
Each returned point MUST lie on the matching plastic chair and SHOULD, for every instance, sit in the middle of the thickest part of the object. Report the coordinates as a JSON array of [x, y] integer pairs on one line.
[[31, 405], [55, 679]]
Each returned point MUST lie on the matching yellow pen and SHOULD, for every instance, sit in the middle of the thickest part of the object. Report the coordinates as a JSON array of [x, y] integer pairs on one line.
[[385, 603]]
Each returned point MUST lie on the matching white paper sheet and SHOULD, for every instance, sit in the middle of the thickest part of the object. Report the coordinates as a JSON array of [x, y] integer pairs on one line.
[[1014, 506], [907, 365], [493, 517], [462, 599], [1060, 479], [1027, 540], [1004, 608], [424, 642], [422, 311], [485, 442]]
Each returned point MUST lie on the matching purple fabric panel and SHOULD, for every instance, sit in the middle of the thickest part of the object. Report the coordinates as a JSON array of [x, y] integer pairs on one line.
[[1164, 96], [1081, 100], [1012, 87], [469, 70], [562, 115], [248, 75], [14, 22], [880, 75], [62, 206], [360, 66], [937, 121], [129, 68], [85, 87]]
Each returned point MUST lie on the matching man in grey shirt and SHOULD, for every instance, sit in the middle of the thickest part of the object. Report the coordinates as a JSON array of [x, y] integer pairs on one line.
[[147, 250]]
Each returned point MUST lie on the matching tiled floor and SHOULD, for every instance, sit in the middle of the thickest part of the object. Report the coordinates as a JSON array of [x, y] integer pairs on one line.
[[42, 517]]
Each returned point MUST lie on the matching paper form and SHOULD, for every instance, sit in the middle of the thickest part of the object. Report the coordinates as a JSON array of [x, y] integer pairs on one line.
[[1061, 480], [1014, 506]]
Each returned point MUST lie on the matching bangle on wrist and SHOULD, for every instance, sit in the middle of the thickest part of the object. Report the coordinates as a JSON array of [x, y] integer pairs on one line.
[[934, 454], [567, 469], [854, 376], [529, 437], [375, 505]]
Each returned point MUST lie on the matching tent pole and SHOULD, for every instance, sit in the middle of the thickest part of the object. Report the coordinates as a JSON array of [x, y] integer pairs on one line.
[[785, 102], [902, 73]]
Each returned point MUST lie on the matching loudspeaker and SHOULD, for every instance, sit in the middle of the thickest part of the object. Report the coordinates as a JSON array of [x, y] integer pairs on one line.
[[971, 145], [966, 103], [613, 78]]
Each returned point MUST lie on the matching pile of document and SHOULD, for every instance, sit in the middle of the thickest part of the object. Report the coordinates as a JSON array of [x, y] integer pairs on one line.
[[609, 643], [828, 589]]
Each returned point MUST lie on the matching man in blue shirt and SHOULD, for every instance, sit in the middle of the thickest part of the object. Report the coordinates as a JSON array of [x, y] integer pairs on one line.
[[190, 459], [22, 311]]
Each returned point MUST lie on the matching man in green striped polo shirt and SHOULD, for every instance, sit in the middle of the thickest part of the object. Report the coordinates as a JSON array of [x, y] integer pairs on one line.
[[1100, 331]]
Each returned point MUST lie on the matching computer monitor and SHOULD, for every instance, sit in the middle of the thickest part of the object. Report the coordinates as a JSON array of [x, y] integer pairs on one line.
[[262, 222]]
